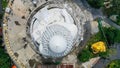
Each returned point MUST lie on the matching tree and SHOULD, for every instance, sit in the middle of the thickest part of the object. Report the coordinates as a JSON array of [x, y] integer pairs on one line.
[[112, 34], [85, 55], [118, 20], [109, 32], [96, 3], [114, 10], [117, 36], [4, 3], [114, 64], [4, 59]]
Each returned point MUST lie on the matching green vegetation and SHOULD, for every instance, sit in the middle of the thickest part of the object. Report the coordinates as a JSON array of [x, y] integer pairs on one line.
[[1, 15], [4, 3], [86, 54], [112, 36], [54, 63], [57, 63], [114, 64], [118, 20], [114, 10], [4, 57], [96, 3], [5, 61]]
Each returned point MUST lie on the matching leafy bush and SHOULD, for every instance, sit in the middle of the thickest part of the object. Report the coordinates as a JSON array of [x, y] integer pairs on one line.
[[96, 3], [4, 59], [85, 55], [118, 20], [104, 54], [114, 10], [4, 3], [114, 64], [94, 38], [112, 35]]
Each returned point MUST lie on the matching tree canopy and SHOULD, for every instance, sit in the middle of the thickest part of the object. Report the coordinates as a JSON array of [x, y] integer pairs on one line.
[[96, 3], [115, 9], [114, 64]]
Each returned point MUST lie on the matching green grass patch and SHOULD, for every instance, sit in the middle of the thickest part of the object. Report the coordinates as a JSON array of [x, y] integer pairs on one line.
[[85, 55], [4, 3]]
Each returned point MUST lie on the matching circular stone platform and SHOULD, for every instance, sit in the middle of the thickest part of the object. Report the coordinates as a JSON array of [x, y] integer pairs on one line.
[[53, 29]]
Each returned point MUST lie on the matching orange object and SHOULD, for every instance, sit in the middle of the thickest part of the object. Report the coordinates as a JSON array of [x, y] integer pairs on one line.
[[14, 66]]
